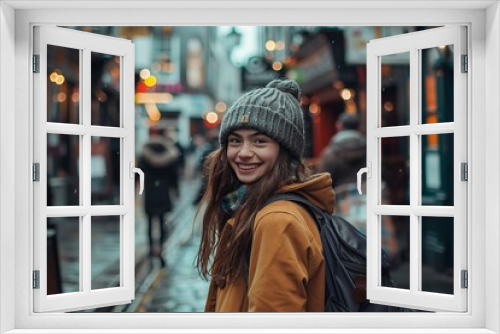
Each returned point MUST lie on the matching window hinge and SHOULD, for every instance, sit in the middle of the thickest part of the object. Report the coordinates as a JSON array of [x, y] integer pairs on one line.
[[36, 172], [465, 64], [36, 63], [36, 279], [464, 171], [465, 279]]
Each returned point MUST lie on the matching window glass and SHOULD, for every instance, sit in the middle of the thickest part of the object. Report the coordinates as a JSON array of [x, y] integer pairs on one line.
[[437, 84], [63, 175], [63, 84], [437, 254], [63, 255], [395, 232], [105, 170], [395, 169], [105, 248], [105, 81], [437, 169], [395, 77]]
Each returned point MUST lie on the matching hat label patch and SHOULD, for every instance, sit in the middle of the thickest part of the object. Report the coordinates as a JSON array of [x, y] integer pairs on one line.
[[244, 119]]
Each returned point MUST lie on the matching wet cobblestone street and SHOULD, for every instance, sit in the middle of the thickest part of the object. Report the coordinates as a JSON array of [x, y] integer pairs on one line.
[[178, 286]]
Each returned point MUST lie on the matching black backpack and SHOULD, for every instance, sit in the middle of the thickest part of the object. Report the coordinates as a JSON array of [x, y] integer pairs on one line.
[[344, 250]]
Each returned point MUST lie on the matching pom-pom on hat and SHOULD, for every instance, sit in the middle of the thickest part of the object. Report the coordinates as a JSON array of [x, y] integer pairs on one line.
[[274, 110]]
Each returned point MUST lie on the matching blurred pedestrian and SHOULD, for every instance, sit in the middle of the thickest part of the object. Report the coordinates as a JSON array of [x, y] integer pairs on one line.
[[346, 153], [158, 162], [267, 257], [180, 163], [211, 144], [343, 158]]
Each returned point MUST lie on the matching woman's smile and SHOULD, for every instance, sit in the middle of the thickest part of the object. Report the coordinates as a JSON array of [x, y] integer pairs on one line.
[[247, 167]]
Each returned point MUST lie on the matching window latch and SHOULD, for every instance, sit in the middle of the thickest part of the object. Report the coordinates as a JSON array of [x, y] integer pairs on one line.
[[368, 171], [133, 170]]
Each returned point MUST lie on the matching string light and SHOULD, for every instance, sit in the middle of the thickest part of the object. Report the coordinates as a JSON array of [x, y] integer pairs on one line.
[[270, 45], [277, 66], [212, 117], [220, 107], [150, 81], [144, 73]]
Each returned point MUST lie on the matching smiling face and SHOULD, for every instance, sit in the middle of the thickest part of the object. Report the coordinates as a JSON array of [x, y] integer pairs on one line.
[[251, 154]]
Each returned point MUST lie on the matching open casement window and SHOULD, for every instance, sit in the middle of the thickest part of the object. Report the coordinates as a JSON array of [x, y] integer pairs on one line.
[[417, 155], [84, 164]]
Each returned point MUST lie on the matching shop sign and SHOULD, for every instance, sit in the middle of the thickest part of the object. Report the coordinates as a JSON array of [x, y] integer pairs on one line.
[[356, 39], [315, 65]]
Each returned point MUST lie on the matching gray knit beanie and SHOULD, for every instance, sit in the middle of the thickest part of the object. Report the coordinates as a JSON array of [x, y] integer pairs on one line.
[[274, 111]]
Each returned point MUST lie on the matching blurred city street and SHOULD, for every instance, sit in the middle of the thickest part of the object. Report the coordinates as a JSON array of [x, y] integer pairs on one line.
[[180, 100], [177, 287]]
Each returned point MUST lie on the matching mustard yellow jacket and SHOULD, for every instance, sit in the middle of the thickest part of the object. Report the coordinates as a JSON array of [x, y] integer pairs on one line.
[[286, 272]]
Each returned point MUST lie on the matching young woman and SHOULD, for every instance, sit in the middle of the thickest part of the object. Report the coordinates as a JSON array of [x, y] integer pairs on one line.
[[263, 257]]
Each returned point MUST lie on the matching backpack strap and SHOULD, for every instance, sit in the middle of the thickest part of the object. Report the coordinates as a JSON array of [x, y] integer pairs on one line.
[[317, 213]]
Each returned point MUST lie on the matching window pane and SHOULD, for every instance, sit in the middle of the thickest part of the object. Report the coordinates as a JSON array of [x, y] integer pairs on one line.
[[395, 170], [437, 169], [63, 178], [105, 251], [105, 80], [437, 254], [105, 171], [63, 84], [437, 84], [63, 255], [396, 244], [395, 78]]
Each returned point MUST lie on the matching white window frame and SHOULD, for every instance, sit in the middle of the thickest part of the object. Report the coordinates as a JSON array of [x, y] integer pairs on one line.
[[16, 21], [412, 44], [85, 297]]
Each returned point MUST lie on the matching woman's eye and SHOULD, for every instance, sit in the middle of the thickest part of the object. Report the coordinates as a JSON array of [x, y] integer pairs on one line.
[[260, 141], [233, 141]]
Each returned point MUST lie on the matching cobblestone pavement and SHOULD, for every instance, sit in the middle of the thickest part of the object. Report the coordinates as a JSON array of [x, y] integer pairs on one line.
[[181, 289], [177, 287]]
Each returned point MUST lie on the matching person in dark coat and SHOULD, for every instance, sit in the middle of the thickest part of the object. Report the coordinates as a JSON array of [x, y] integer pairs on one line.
[[343, 158], [346, 153], [211, 144], [158, 162]]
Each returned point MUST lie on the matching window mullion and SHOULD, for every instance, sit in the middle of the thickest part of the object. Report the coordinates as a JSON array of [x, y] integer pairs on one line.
[[415, 171], [85, 251], [85, 242], [109, 210], [108, 131]]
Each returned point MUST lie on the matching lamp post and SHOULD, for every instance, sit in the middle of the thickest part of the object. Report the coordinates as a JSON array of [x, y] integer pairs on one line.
[[232, 40]]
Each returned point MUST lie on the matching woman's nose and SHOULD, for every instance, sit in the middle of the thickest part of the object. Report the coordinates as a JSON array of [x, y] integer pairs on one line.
[[246, 151]]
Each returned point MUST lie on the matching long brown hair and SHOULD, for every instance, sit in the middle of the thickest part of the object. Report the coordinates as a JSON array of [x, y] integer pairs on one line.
[[230, 258]]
